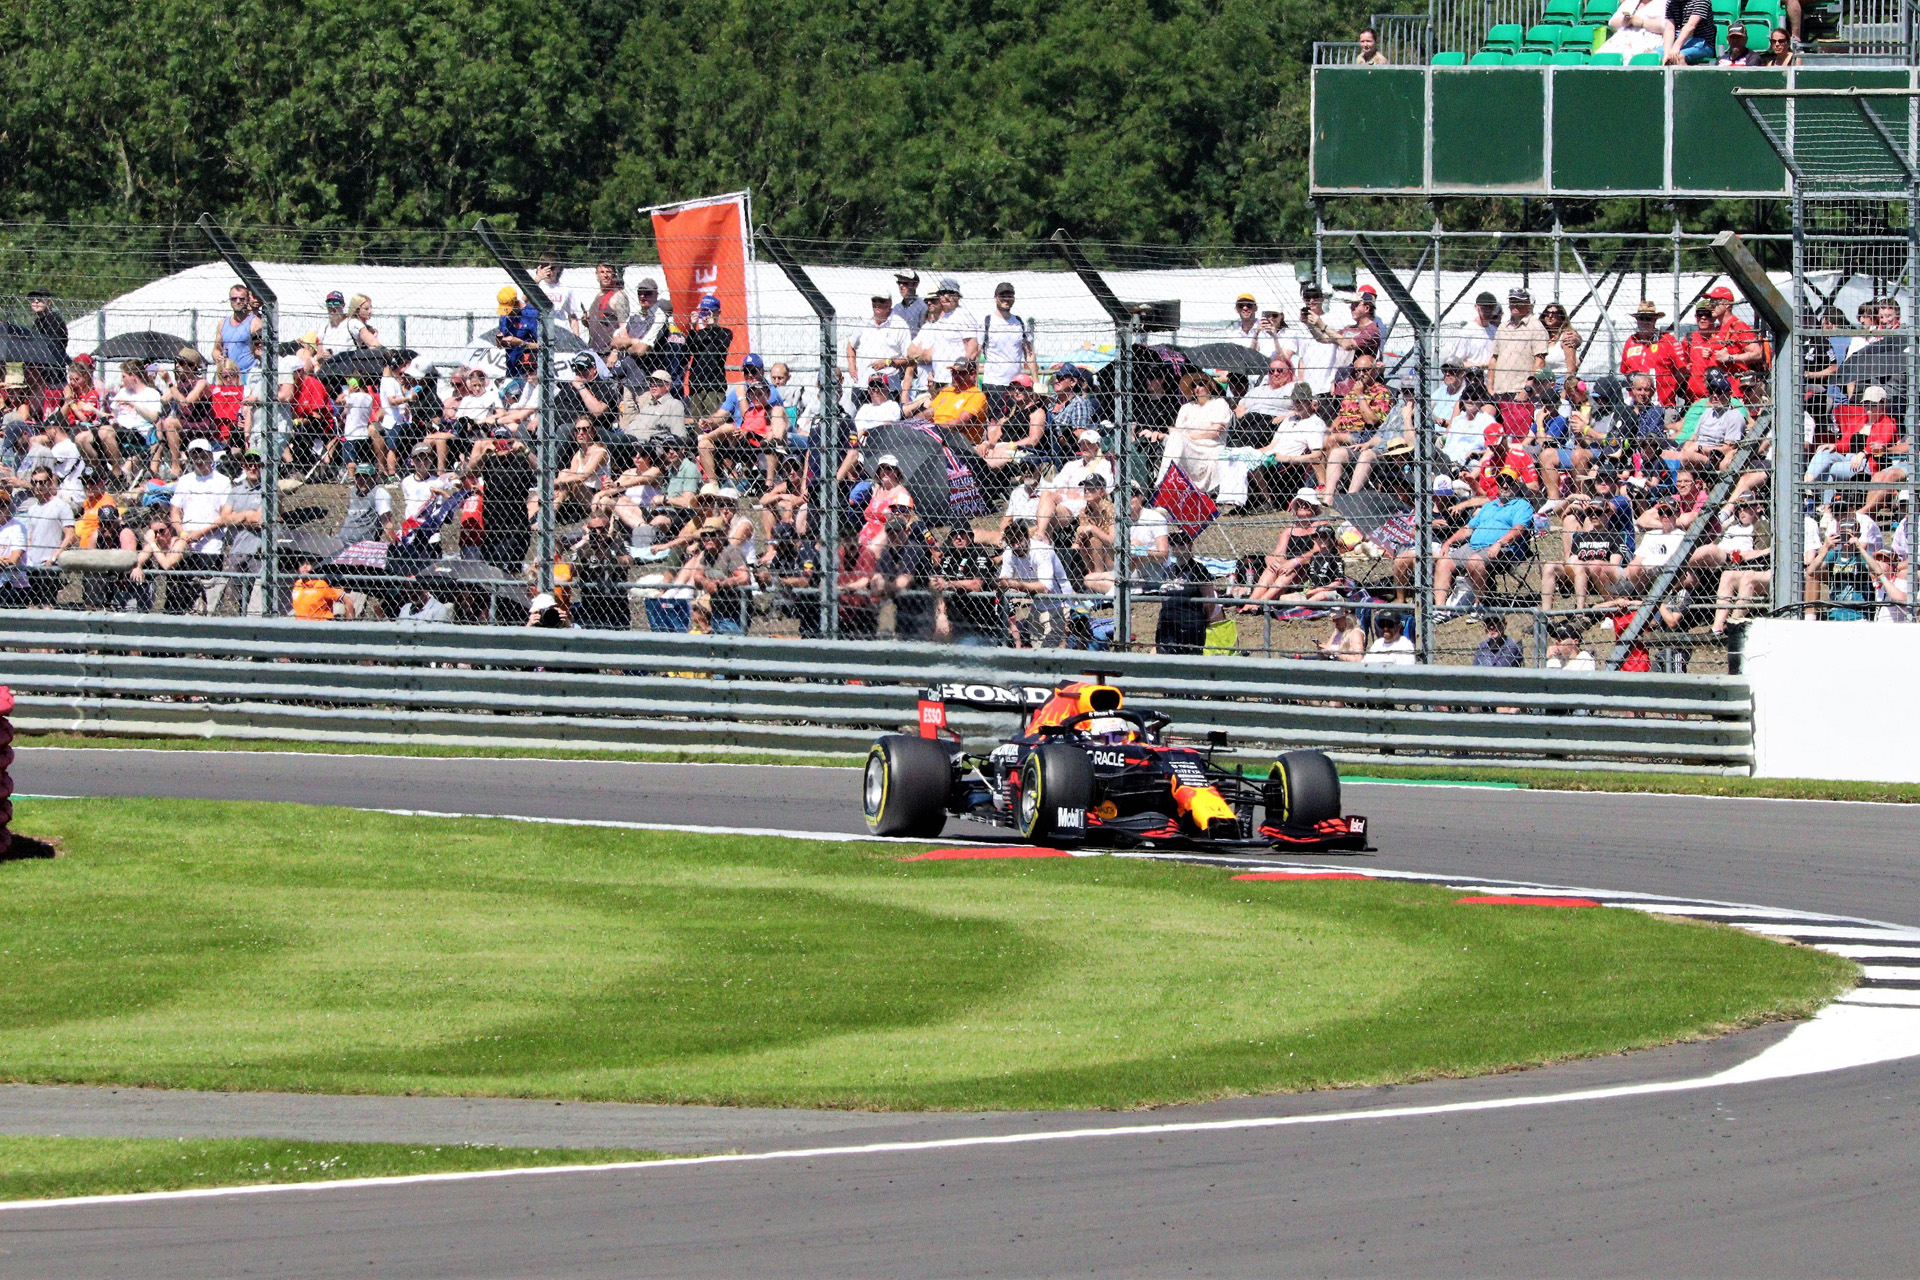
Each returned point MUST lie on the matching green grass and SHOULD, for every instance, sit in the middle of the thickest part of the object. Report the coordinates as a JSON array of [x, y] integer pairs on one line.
[[1528, 779], [52, 1168], [263, 946]]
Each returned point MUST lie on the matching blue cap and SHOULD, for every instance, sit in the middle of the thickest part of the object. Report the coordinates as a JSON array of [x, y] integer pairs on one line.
[[1070, 371], [709, 303], [751, 361]]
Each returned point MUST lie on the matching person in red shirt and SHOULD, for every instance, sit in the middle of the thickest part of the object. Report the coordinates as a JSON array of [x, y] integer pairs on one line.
[[1702, 349], [1651, 352], [1742, 354]]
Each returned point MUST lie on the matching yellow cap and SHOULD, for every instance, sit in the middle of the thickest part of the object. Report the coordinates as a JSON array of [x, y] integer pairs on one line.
[[507, 298]]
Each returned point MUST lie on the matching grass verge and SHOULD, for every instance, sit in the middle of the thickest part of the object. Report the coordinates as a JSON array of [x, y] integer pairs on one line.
[[1523, 779], [33, 1168], [270, 946]]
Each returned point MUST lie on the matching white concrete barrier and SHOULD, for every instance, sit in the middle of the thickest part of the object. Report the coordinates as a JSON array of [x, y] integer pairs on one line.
[[1835, 699]]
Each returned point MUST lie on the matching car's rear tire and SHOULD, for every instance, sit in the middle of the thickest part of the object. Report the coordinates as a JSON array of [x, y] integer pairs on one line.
[[1303, 789], [904, 790], [1056, 790]]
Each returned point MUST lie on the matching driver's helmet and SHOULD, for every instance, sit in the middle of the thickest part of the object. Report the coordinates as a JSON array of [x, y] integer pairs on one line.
[[1112, 729]]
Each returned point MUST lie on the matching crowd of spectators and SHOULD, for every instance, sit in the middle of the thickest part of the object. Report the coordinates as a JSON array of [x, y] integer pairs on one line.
[[694, 489]]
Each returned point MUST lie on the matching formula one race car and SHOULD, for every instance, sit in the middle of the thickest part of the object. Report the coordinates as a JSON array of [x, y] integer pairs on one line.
[[1087, 769]]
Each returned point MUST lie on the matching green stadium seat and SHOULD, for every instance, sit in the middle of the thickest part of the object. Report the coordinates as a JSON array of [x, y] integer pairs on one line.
[[1725, 11], [1582, 37], [1490, 58], [1771, 12], [1719, 37], [1543, 39], [1644, 60], [1562, 12], [1506, 37], [1758, 33], [1449, 59], [1599, 11], [1528, 58], [1570, 58], [1606, 60]]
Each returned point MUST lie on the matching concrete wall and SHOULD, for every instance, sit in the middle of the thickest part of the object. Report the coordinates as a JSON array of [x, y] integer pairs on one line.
[[1835, 700]]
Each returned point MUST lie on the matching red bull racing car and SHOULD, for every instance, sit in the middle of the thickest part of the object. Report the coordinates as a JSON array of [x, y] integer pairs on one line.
[[1086, 769]]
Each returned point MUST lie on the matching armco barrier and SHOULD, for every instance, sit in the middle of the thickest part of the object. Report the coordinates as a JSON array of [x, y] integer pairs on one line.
[[600, 690]]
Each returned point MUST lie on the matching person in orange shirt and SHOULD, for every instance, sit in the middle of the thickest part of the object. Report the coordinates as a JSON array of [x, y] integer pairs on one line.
[[960, 405], [1649, 351], [316, 599]]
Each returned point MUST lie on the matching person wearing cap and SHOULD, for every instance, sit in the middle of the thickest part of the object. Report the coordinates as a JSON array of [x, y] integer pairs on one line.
[[518, 333], [94, 495], [1361, 337], [879, 346], [369, 514], [241, 515], [188, 400], [1739, 345], [949, 333], [1006, 349], [751, 422], [1062, 498], [643, 333], [1718, 429], [1497, 648], [609, 311], [960, 406], [1072, 410], [708, 342], [47, 321], [720, 569], [588, 391], [657, 414], [878, 407], [1868, 435], [1648, 350], [1519, 348], [1315, 363], [199, 497], [1297, 447], [420, 487], [1261, 331], [1707, 348], [314, 599], [911, 308], [889, 491], [340, 331], [1199, 433], [104, 589]]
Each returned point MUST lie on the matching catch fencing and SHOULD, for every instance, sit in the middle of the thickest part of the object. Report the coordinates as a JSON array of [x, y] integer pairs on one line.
[[586, 691]]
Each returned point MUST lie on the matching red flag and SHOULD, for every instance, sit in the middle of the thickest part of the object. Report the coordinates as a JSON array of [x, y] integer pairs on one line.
[[1185, 505], [703, 253]]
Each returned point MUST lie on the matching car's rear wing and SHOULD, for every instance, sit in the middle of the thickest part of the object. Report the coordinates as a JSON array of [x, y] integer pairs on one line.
[[934, 700]]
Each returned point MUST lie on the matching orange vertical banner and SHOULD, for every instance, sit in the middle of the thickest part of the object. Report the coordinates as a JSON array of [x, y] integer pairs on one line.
[[703, 254]]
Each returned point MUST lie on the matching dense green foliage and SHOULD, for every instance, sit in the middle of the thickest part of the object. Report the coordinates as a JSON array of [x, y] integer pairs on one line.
[[1155, 120]]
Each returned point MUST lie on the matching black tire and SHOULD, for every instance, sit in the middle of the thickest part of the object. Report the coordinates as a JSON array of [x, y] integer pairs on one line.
[[904, 790], [1056, 790], [1303, 789]]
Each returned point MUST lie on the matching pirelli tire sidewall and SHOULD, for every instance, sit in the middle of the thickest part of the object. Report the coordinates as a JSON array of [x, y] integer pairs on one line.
[[1056, 794], [904, 787], [1303, 789]]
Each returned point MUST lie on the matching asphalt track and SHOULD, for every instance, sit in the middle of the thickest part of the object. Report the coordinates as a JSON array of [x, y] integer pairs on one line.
[[1812, 1175]]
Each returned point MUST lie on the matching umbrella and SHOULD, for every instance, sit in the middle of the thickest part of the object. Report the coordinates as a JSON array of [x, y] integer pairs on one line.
[[364, 362], [23, 346], [471, 575], [315, 544], [1228, 357], [142, 345], [942, 485], [566, 340]]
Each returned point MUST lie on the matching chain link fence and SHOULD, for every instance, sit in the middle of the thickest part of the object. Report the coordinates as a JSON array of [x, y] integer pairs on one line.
[[1092, 446]]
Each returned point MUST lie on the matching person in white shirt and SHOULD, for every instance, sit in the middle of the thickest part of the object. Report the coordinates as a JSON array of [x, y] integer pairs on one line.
[[1473, 350], [47, 521], [341, 332], [396, 410], [1272, 396], [422, 486], [1654, 549], [1006, 350], [1199, 433], [356, 427], [1298, 446], [1031, 568], [136, 408], [1466, 432], [1061, 498], [59, 454], [566, 302], [880, 407], [1264, 332], [878, 346], [199, 497], [1390, 648], [950, 336], [13, 569], [422, 606], [1316, 363], [646, 325]]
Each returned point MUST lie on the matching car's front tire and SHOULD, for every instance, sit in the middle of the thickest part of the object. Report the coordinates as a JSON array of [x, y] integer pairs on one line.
[[1056, 790], [1303, 789], [904, 790]]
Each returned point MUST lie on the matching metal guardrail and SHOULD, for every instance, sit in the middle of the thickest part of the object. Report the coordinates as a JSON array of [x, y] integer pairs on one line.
[[588, 690]]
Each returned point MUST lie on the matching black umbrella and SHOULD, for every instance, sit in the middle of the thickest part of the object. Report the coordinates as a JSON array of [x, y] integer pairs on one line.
[[1228, 357], [142, 345], [23, 346], [934, 471], [363, 362], [472, 575], [315, 544], [567, 340]]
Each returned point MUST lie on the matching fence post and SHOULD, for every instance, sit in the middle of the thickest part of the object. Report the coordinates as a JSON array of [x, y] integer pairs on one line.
[[6, 778], [548, 437], [270, 408], [1124, 319], [1422, 324], [829, 447]]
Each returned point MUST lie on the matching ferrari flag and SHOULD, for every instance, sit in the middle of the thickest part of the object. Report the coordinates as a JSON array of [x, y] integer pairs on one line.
[[704, 253]]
